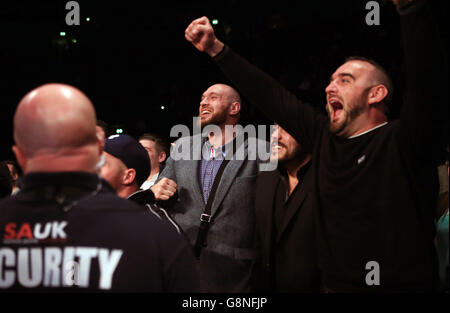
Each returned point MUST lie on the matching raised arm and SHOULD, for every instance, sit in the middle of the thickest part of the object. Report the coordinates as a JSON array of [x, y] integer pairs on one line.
[[259, 88]]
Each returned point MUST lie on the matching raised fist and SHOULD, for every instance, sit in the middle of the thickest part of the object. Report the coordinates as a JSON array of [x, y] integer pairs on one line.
[[164, 189], [201, 33]]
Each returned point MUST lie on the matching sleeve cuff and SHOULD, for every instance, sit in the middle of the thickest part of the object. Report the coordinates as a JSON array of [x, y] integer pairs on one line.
[[222, 53]]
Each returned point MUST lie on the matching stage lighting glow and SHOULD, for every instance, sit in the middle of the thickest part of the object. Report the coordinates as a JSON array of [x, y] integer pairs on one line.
[[215, 22]]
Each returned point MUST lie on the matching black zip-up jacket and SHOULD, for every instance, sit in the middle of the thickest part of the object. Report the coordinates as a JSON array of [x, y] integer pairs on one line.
[[69, 232]]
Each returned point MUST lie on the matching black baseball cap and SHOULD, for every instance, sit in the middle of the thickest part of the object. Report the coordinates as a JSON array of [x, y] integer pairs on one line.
[[131, 153]]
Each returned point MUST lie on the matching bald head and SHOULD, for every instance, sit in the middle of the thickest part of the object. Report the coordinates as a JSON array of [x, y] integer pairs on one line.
[[55, 129], [231, 93], [52, 117], [220, 105]]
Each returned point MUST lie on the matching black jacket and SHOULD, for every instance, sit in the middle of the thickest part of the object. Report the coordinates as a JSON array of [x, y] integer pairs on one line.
[[289, 255], [70, 232], [147, 198]]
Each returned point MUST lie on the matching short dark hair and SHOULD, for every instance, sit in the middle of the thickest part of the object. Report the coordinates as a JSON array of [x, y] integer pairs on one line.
[[106, 128], [161, 144], [383, 79]]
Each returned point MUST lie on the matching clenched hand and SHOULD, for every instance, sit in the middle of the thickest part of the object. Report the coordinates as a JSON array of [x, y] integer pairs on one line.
[[164, 189], [201, 33]]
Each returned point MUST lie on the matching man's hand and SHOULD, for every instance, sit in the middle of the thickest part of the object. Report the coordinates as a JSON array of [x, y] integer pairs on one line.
[[164, 189], [201, 34]]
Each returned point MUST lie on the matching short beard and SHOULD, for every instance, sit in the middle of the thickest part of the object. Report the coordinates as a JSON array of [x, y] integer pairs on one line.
[[298, 155], [350, 114], [214, 120]]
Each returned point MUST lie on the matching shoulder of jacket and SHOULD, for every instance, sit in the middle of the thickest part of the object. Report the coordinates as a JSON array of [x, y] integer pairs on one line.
[[111, 203]]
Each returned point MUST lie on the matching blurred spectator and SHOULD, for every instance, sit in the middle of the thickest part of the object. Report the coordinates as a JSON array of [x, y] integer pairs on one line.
[[442, 234], [126, 166], [158, 151], [16, 173], [107, 130], [6, 185]]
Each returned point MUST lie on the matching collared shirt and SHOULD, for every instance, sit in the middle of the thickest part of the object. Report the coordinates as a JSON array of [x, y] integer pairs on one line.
[[209, 166]]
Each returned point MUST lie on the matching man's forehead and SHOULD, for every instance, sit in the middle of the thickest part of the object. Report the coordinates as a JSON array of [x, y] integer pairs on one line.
[[354, 67], [217, 89], [147, 143]]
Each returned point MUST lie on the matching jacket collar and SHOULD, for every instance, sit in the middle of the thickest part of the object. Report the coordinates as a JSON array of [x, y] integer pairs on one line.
[[70, 179], [142, 197], [300, 174], [83, 181]]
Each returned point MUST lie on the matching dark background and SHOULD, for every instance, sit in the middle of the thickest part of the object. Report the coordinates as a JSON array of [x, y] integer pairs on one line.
[[131, 58]]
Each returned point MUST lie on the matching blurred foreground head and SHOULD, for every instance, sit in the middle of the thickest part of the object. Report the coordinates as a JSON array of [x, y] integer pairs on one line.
[[55, 131]]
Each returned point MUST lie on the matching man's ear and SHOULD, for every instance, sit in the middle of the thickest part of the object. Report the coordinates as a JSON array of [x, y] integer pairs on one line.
[[129, 176], [100, 134], [235, 108], [20, 157], [162, 157], [377, 94]]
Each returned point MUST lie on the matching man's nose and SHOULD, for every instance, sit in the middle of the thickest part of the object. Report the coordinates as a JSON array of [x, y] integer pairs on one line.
[[331, 88], [275, 136], [279, 135]]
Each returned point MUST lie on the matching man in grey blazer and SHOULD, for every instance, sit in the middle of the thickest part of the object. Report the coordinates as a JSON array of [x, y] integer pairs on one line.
[[229, 249]]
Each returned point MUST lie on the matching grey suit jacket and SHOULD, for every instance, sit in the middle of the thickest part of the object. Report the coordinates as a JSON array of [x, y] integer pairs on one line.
[[226, 260]]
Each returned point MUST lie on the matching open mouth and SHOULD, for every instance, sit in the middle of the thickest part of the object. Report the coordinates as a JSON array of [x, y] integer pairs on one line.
[[276, 148], [205, 113], [336, 109]]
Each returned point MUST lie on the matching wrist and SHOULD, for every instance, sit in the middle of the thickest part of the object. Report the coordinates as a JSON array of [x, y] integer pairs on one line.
[[216, 48]]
